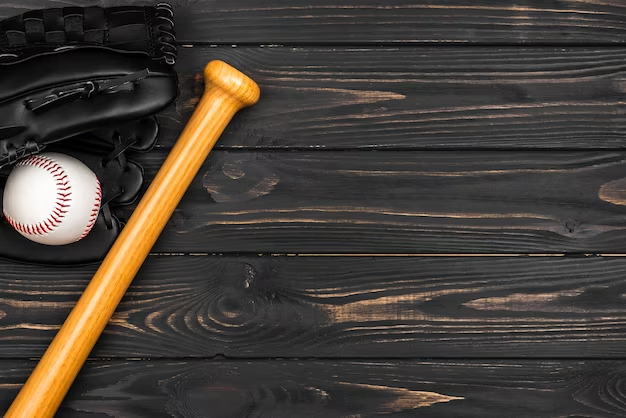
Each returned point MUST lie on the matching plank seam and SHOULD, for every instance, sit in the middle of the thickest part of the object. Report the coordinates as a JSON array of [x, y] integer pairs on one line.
[[402, 44]]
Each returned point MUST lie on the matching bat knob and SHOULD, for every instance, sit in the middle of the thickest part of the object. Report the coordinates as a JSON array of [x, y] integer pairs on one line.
[[234, 82]]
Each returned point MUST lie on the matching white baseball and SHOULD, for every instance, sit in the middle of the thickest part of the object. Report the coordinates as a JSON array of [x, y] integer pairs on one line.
[[52, 199]]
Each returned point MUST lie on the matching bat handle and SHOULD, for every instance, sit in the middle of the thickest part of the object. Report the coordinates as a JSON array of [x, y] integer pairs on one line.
[[227, 91]]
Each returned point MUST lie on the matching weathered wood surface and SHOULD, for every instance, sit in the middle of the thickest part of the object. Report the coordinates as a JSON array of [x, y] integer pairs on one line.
[[339, 307], [357, 75], [355, 22], [415, 98], [328, 389], [400, 202]]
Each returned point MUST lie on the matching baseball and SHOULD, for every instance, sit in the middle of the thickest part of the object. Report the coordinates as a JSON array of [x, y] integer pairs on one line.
[[52, 199]]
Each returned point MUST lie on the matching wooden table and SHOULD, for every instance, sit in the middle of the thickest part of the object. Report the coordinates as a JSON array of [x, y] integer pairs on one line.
[[423, 216]]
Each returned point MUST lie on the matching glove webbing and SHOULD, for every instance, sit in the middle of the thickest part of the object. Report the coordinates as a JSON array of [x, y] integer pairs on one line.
[[131, 28], [57, 26]]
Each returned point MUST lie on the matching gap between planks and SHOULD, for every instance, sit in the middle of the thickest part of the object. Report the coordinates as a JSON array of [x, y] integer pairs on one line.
[[570, 255]]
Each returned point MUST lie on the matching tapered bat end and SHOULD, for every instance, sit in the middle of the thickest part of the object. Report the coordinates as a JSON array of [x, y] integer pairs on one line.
[[240, 86]]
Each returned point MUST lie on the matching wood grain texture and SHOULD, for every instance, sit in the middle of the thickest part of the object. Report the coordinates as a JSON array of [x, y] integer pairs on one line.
[[399, 202], [237, 389], [417, 98], [392, 21], [359, 75], [335, 307]]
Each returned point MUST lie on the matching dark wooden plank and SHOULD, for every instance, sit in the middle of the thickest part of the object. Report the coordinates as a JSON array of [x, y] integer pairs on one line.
[[357, 307], [392, 21], [400, 202], [328, 389], [416, 98]]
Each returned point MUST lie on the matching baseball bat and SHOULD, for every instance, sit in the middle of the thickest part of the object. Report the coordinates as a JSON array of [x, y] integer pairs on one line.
[[227, 91]]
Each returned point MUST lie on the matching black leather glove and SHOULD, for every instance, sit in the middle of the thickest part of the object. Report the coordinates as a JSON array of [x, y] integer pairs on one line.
[[86, 82]]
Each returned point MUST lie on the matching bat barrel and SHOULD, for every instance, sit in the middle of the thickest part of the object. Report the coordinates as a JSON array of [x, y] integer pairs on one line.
[[227, 91]]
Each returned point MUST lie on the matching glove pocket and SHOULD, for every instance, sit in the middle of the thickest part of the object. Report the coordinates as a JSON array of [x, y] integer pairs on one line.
[[121, 180], [91, 249]]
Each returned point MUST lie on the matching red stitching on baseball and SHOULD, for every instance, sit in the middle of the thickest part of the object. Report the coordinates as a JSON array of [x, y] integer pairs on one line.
[[95, 210], [63, 196], [58, 213]]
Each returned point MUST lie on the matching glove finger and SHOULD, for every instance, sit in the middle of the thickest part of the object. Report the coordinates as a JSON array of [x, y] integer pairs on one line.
[[26, 129]]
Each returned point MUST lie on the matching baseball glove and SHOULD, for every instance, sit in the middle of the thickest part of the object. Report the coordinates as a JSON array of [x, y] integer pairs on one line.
[[87, 82]]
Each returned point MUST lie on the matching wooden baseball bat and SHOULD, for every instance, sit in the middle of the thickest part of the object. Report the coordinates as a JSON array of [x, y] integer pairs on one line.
[[227, 91]]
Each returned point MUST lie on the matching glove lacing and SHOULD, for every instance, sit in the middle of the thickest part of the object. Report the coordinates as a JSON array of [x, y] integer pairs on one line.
[[118, 155], [13, 153], [167, 37]]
